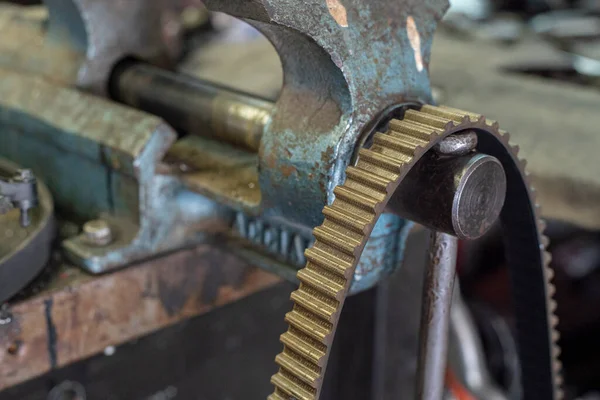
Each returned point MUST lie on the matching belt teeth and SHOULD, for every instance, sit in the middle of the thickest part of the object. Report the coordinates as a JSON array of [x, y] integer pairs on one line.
[[375, 181], [311, 325], [332, 285], [343, 217], [332, 259], [304, 345], [303, 369], [336, 239], [402, 145], [329, 261], [413, 128], [428, 119], [381, 160], [473, 116], [292, 386], [316, 302], [277, 396], [454, 115], [357, 198]]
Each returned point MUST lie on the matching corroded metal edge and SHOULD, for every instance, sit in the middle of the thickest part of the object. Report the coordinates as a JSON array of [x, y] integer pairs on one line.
[[80, 319], [349, 220]]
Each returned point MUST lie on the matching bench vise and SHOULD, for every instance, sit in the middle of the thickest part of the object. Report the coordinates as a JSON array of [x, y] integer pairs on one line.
[[352, 147]]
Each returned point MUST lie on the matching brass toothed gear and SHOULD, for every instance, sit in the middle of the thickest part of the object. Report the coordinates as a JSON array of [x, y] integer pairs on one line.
[[359, 202]]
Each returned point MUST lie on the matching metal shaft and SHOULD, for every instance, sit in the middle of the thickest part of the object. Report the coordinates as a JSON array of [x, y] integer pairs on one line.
[[435, 316], [193, 106]]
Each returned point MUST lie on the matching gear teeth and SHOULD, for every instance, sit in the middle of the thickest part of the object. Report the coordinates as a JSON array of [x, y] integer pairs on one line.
[[556, 352], [473, 117], [552, 305], [305, 346], [429, 119], [341, 266], [377, 182], [357, 198], [299, 367], [331, 284], [339, 215], [559, 378], [454, 115], [277, 396], [400, 144], [316, 302], [381, 160], [332, 260], [547, 258], [545, 241], [414, 129], [523, 163], [310, 325], [550, 274], [336, 239], [292, 386]]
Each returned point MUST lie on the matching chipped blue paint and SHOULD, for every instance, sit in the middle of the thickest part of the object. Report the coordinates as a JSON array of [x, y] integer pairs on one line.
[[338, 80], [383, 253], [99, 159]]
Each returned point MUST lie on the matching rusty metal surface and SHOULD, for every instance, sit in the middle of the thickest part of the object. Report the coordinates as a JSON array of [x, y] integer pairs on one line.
[[217, 170], [345, 64], [79, 315]]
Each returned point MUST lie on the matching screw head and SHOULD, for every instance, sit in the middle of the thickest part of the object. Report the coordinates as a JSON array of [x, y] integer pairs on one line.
[[25, 175], [97, 232]]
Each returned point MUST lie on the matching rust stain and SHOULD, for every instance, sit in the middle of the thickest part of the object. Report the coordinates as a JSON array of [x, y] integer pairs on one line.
[[61, 326], [338, 12], [415, 41], [288, 170]]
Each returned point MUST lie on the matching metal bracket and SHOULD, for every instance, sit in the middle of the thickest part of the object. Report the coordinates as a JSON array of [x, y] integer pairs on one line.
[[101, 159]]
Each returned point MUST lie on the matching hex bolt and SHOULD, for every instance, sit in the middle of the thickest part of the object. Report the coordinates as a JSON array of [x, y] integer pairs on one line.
[[25, 175], [97, 233], [458, 144]]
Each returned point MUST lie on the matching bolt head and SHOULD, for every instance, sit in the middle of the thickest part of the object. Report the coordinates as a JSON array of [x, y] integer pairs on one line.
[[25, 175], [97, 232]]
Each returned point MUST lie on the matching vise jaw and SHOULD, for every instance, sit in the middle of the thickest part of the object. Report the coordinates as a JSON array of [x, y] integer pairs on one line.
[[347, 65]]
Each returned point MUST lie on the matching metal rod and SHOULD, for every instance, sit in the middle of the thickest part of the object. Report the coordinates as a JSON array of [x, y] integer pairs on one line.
[[435, 316], [191, 105]]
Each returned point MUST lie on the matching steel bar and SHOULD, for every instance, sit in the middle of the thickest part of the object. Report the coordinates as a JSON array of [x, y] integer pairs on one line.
[[435, 316], [193, 106]]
